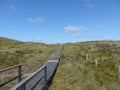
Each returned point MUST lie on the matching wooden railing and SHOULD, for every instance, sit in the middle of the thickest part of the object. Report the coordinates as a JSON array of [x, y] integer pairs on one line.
[[40, 79], [35, 81], [19, 66]]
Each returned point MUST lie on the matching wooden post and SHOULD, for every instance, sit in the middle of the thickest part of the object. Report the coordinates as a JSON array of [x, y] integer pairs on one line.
[[119, 72], [96, 62], [45, 72], [86, 56], [19, 73]]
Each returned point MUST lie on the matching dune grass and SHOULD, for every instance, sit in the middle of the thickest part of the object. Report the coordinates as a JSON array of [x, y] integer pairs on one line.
[[31, 55], [77, 69]]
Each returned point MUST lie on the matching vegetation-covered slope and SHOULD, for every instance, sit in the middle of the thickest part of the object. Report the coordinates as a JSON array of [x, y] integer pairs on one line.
[[78, 71], [13, 52], [31, 55]]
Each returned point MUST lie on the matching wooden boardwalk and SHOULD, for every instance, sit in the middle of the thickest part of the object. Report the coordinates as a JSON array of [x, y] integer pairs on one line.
[[42, 77]]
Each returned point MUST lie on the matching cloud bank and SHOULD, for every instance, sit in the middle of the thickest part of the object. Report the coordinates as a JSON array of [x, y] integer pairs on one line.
[[74, 28], [35, 20]]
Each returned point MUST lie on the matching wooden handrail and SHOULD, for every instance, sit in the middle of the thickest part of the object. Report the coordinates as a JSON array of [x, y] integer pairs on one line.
[[18, 76], [39, 79]]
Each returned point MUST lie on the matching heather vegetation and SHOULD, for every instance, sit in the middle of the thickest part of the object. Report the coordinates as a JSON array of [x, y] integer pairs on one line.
[[78, 69]]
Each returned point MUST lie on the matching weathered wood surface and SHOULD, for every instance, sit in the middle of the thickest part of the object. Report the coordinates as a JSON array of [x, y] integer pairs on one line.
[[43, 76]]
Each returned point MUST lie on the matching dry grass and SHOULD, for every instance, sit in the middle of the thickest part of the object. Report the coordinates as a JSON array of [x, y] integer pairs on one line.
[[77, 73], [31, 55]]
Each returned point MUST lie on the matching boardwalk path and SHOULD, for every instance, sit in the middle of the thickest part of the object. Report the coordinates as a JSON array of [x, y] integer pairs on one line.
[[42, 77]]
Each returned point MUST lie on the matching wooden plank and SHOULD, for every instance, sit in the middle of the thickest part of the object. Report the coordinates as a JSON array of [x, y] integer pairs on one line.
[[53, 61]]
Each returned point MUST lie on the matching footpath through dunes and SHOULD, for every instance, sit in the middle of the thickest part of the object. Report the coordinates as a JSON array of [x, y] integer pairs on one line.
[[42, 78]]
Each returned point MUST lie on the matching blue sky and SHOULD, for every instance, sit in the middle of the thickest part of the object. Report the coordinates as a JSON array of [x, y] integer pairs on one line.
[[60, 21]]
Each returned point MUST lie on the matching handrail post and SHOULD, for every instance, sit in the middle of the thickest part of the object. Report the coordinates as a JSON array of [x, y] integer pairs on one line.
[[119, 72], [45, 72], [19, 73]]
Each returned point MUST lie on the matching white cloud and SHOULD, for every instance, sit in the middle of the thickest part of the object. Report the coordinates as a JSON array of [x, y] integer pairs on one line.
[[54, 37], [59, 41], [38, 40], [13, 8], [90, 36], [74, 28], [35, 20], [106, 38], [99, 26], [76, 35], [89, 3]]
